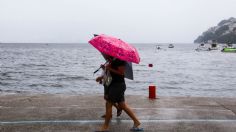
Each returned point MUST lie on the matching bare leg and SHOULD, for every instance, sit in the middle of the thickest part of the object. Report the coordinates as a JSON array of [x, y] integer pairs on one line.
[[119, 110], [127, 109], [108, 116], [116, 105]]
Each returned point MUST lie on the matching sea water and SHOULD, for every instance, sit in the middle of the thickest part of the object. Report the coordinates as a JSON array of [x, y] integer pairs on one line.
[[68, 69]]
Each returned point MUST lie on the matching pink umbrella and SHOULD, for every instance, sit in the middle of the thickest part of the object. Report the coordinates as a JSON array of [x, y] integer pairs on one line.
[[116, 48]]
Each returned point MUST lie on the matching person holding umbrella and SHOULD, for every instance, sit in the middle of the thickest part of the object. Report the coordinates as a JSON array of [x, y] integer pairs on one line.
[[105, 79], [121, 52]]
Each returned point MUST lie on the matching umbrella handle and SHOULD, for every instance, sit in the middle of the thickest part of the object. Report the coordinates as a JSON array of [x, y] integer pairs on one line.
[[97, 70], [100, 67]]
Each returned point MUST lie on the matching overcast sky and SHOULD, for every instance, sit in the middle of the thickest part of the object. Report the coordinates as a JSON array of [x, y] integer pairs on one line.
[[154, 21]]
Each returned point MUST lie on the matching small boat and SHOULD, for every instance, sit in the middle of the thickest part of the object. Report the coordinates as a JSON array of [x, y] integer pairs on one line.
[[171, 46], [202, 47], [158, 47], [229, 49], [229, 44], [214, 46]]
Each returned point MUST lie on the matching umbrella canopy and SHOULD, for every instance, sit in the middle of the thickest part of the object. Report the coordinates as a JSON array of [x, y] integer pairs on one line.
[[116, 48]]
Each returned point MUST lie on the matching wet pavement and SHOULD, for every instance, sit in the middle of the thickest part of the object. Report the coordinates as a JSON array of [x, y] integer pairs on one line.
[[76, 113]]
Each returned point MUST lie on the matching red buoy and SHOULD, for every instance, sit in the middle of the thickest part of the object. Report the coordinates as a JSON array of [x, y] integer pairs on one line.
[[150, 65]]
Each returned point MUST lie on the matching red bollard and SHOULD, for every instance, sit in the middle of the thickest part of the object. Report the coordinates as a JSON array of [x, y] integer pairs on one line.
[[152, 92]]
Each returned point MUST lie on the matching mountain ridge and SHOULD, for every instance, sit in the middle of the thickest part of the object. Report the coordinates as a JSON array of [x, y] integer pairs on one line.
[[224, 32]]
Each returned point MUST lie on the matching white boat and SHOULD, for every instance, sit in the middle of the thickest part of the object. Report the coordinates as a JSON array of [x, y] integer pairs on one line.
[[158, 47], [202, 47], [214, 46], [171, 46]]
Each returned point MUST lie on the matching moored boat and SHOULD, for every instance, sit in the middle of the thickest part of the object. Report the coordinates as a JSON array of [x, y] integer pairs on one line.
[[171, 46], [202, 47], [214, 46], [229, 49]]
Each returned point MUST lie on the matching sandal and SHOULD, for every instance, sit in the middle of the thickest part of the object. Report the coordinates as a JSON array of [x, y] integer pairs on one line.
[[136, 129]]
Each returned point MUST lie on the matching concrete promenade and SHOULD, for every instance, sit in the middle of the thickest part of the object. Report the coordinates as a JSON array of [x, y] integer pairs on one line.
[[74, 113]]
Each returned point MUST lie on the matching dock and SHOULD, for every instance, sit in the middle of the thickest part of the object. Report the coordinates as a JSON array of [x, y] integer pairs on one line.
[[82, 113]]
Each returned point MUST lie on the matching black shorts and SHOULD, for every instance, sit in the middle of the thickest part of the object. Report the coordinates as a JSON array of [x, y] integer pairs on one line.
[[116, 92]]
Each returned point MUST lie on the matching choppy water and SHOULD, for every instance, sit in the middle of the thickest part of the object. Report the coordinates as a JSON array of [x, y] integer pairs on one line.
[[68, 69]]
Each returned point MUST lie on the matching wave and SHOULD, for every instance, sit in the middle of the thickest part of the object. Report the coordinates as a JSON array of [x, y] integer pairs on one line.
[[46, 85], [171, 87], [9, 76], [70, 78], [4, 84], [33, 65], [12, 91], [5, 74]]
